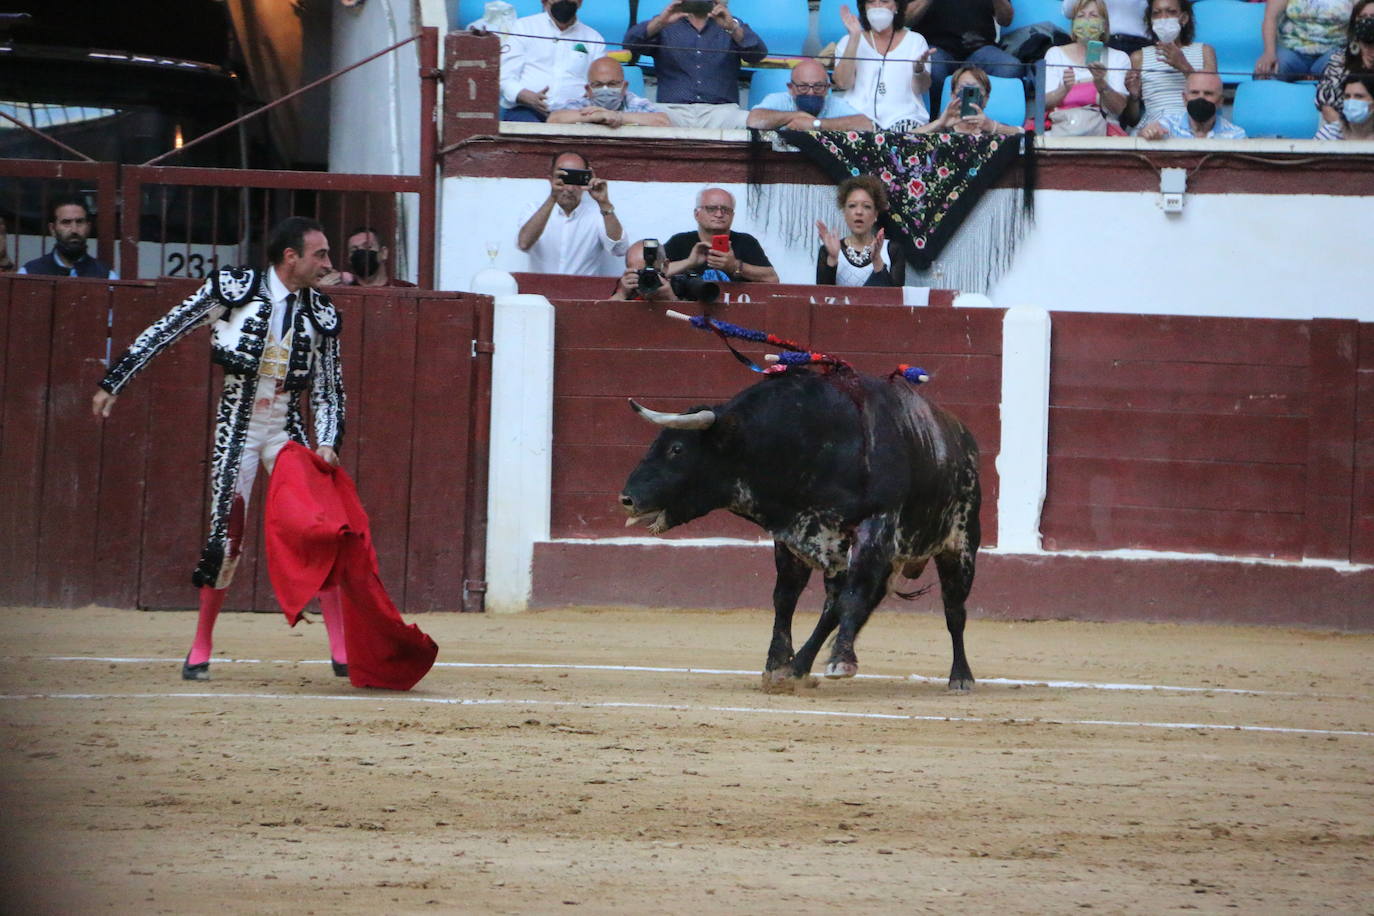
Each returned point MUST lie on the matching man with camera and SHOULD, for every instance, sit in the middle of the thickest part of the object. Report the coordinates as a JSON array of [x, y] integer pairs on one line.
[[643, 278], [807, 105], [575, 228], [697, 47], [714, 252]]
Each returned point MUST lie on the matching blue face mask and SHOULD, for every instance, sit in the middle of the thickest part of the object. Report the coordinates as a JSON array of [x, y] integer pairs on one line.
[[1356, 111], [811, 104]]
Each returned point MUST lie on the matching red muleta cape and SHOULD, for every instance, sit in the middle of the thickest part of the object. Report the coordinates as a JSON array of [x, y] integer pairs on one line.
[[318, 537]]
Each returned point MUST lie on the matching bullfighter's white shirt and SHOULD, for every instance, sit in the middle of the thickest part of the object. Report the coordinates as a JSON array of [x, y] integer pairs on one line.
[[576, 243]]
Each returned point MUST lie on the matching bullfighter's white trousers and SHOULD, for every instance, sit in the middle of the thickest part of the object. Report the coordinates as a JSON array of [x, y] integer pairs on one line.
[[266, 436]]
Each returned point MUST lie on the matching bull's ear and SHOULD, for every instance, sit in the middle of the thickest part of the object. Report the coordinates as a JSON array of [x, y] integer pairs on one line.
[[698, 419], [726, 435]]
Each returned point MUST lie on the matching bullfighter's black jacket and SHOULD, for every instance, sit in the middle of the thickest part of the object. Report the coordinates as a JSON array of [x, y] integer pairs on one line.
[[238, 304]]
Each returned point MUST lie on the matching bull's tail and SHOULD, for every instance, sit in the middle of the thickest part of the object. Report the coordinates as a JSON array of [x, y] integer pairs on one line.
[[912, 595]]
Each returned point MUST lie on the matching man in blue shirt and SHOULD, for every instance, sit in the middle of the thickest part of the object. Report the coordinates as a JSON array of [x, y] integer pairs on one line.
[[1201, 117], [70, 225], [807, 105], [697, 56]]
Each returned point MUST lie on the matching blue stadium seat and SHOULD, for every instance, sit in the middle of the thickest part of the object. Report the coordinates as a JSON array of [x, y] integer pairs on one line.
[[1233, 28], [1007, 103], [766, 82], [1272, 108], [782, 24], [609, 17], [634, 77], [1028, 12]]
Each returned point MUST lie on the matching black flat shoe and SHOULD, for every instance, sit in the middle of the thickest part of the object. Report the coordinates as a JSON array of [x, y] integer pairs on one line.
[[199, 672], [340, 668]]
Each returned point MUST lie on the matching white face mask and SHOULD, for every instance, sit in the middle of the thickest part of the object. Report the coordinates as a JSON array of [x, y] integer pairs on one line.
[[880, 17], [1167, 30]]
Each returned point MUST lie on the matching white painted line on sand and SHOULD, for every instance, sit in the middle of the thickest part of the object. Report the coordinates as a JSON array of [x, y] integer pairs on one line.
[[653, 669], [681, 707]]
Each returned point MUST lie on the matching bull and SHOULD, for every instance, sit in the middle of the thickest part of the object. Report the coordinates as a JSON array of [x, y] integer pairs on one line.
[[853, 475]]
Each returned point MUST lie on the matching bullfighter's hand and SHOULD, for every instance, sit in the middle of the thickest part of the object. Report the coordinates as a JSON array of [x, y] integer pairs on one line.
[[103, 403], [330, 456]]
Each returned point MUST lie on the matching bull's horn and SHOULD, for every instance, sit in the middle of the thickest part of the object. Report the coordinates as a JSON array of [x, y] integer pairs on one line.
[[700, 419]]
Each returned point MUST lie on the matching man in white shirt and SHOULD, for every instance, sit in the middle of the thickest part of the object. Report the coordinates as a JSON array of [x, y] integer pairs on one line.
[[546, 60], [573, 231]]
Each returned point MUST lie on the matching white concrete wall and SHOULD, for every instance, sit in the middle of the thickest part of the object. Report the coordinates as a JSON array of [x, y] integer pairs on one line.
[[1237, 254]]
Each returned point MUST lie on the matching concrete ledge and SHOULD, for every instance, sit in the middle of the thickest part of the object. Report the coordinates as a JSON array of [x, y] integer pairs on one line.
[[1009, 586]]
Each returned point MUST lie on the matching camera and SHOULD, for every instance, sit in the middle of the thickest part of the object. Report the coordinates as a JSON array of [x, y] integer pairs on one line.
[[692, 288], [650, 280]]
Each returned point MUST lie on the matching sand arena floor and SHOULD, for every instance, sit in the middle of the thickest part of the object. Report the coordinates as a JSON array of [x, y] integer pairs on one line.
[[515, 780]]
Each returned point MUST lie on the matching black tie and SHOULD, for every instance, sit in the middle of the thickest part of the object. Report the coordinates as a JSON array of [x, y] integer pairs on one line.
[[286, 315]]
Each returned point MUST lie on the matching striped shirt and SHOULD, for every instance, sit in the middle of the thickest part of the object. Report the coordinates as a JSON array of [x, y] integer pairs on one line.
[[1161, 86]]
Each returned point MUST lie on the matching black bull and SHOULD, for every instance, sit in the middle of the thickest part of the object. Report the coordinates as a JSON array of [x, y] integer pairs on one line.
[[857, 476]]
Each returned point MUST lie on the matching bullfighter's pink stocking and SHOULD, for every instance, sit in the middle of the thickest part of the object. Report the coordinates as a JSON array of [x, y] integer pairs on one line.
[[331, 608], [211, 600]]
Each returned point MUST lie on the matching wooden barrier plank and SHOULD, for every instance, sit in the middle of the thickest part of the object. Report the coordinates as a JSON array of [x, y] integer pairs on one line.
[[123, 455], [1249, 341], [1331, 436], [1177, 484], [1254, 390], [438, 487], [178, 389], [931, 331], [23, 411], [71, 472], [1142, 434], [1236, 533], [386, 401]]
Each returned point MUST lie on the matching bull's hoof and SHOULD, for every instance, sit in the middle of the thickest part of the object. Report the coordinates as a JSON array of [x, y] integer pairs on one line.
[[782, 680], [961, 684], [836, 670]]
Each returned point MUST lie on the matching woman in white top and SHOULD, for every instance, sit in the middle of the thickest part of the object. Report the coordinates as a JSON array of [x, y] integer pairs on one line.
[[882, 66], [1165, 65], [1071, 82], [1129, 16]]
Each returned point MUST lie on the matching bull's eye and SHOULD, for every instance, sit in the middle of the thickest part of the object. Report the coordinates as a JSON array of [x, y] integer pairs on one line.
[[675, 449]]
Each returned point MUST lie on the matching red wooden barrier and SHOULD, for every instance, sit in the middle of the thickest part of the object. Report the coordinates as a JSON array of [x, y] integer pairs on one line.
[[114, 513], [1233, 436], [608, 351]]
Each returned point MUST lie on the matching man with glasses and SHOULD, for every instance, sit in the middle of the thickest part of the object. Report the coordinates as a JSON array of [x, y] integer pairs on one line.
[[807, 105], [608, 101], [742, 259]]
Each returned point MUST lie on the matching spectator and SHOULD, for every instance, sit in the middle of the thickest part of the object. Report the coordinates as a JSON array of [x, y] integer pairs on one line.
[[962, 32], [953, 120], [698, 57], [69, 221], [864, 257], [808, 105], [1099, 86], [696, 252], [1163, 69], [1301, 37], [607, 101], [546, 60], [1129, 17], [1354, 122], [572, 231], [889, 92], [1356, 57], [368, 258], [1201, 116], [629, 287]]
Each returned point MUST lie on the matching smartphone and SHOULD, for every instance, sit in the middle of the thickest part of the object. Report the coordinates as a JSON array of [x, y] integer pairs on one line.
[[696, 7], [720, 243], [1094, 53], [970, 99], [577, 176]]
